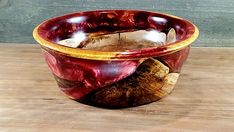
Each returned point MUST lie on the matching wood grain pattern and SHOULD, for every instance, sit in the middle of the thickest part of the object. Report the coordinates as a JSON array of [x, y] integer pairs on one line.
[[214, 18], [30, 101]]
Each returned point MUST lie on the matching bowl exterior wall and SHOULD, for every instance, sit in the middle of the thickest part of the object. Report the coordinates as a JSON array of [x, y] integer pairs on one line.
[[116, 83]]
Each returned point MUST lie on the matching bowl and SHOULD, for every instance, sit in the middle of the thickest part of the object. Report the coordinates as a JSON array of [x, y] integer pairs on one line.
[[116, 58]]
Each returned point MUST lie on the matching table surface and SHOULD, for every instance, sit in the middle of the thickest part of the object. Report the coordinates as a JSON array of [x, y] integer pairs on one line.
[[203, 99]]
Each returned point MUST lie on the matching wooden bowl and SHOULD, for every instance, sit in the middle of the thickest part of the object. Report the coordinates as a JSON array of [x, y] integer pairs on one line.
[[119, 77]]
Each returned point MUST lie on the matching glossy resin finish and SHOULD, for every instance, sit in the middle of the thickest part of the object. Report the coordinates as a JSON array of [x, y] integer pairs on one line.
[[115, 79]]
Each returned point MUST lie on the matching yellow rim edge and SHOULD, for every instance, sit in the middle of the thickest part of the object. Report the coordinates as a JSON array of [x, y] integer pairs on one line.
[[99, 55]]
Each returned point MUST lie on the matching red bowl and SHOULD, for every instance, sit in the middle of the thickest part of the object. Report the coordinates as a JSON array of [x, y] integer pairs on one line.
[[89, 76]]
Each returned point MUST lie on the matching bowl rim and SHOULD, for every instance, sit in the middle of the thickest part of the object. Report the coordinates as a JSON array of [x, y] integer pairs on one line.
[[120, 55]]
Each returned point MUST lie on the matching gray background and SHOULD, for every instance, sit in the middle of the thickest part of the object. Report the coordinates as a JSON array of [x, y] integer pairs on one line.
[[214, 18]]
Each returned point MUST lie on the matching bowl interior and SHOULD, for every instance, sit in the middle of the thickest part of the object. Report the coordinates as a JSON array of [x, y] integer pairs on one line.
[[82, 24]]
